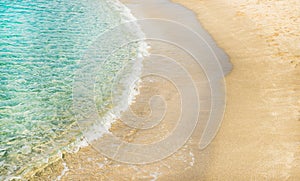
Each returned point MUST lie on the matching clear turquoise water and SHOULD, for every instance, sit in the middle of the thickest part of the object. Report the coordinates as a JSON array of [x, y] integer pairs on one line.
[[40, 46]]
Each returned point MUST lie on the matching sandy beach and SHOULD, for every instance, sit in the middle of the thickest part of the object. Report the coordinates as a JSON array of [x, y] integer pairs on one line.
[[260, 134], [259, 138]]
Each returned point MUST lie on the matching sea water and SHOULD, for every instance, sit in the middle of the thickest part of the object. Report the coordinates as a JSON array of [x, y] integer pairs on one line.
[[41, 45]]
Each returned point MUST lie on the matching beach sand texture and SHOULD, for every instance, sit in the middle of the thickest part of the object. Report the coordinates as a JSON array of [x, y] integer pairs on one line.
[[260, 135]]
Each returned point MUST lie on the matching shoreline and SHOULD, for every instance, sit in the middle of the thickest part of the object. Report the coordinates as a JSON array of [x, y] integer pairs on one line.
[[232, 155], [184, 159]]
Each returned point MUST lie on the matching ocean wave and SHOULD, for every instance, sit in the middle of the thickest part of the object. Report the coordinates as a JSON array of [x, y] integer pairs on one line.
[[50, 149]]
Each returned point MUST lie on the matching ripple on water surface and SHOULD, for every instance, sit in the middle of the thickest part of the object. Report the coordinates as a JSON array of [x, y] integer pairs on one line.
[[41, 43]]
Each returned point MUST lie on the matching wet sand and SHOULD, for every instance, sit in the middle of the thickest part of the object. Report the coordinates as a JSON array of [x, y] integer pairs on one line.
[[260, 135]]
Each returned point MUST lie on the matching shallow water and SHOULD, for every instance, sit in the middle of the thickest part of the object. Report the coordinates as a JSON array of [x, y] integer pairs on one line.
[[41, 45]]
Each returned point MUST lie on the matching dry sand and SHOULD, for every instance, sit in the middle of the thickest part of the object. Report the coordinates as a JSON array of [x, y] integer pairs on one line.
[[260, 135]]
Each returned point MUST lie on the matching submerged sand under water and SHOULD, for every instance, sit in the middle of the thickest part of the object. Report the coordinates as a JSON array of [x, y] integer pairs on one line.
[[259, 138]]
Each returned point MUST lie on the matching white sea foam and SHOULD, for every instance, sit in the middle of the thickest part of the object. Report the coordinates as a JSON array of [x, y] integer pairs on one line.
[[63, 172], [112, 115], [103, 125], [100, 128], [155, 175]]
